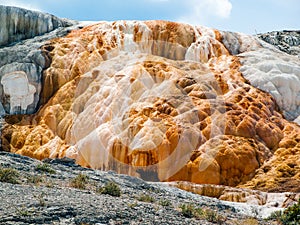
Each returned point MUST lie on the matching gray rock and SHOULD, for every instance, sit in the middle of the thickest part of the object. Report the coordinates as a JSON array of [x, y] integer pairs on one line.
[[48, 198], [287, 41], [22, 33], [18, 24]]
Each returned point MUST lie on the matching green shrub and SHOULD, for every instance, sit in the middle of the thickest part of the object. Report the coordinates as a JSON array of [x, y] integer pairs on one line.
[[146, 198], [187, 210], [44, 167], [275, 216], [80, 181], [291, 216], [35, 179], [132, 205], [165, 202], [41, 199], [110, 188], [9, 175], [212, 216], [23, 211]]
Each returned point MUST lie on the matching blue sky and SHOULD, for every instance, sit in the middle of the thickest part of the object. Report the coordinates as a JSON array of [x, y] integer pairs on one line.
[[247, 16]]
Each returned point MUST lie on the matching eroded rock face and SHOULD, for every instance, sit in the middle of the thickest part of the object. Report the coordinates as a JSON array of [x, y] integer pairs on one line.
[[22, 63], [163, 101], [287, 40], [18, 24]]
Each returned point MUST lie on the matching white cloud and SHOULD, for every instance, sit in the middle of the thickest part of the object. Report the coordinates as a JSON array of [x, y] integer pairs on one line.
[[21, 4], [204, 10]]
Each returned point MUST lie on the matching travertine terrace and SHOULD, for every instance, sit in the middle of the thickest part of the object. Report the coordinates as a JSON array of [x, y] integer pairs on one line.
[[163, 101]]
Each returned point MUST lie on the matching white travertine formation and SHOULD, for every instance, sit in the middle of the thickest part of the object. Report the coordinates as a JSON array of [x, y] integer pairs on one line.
[[204, 47], [237, 43], [276, 73], [21, 92]]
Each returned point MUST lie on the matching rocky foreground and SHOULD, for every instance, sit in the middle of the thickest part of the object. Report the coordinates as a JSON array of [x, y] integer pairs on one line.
[[47, 194]]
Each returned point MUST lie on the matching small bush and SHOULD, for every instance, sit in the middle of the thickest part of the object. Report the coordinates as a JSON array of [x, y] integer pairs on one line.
[[23, 212], [44, 167], [111, 189], [132, 205], [275, 216], [80, 181], [49, 184], [146, 198], [165, 202], [291, 216], [213, 216], [9, 175], [187, 210], [41, 199], [35, 179]]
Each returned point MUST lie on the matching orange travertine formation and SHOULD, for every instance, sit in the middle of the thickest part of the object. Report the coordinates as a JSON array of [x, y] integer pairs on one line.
[[244, 195], [159, 100]]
